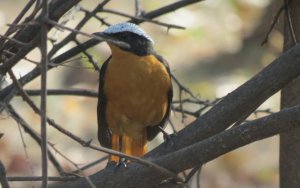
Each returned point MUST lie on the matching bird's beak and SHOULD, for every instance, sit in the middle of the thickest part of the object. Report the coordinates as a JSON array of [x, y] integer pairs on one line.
[[105, 37]]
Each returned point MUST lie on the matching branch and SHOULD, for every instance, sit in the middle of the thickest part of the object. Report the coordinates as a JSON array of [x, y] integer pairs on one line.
[[197, 153], [3, 179], [56, 9], [169, 8], [35, 136], [43, 103], [68, 92], [141, 19]]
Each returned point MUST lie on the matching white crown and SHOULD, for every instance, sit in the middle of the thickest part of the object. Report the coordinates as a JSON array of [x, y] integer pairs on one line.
[[129, 27]]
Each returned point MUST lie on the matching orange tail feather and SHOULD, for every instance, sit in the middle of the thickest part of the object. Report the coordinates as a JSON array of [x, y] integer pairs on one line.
[[130, 146]]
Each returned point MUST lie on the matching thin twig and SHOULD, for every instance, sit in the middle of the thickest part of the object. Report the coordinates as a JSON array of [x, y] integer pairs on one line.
[[16, 21], [182, 87], [91, 184], [169, 8], [74, 92], [291, 27], [40, 178], [192, 173], [3, 178], [274, 22], [137, 8], [13, 40], [25, 149], [90, 57], [95, 36], [141, 19], [71, 36], [91, 164], [34, 135], [43, 104]]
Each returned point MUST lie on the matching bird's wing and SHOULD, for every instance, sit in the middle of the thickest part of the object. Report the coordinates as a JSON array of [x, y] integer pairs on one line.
[[104, 133], [152, 131]]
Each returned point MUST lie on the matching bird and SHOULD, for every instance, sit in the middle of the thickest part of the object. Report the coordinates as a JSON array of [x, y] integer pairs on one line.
[[135, 91]]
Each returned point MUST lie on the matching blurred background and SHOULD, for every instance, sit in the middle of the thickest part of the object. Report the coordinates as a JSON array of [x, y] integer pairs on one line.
[[219, 50]]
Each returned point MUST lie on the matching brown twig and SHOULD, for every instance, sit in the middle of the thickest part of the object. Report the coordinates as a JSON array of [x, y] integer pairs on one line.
[[137, 8], [91, 184], [100, 38], [13, 40], [24, 147], [34, 135], [71, 36], [74, 92], [43, 103], [16, 21], [90, 57], [40, 178], [290, 23], [274, 22], [3, 178], [141, 19], [91, 164]]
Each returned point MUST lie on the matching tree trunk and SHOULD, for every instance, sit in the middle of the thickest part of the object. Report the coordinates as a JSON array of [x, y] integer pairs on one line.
[[290, 96]]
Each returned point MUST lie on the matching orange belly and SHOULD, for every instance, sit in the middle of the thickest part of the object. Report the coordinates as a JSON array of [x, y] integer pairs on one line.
[[136, 90]]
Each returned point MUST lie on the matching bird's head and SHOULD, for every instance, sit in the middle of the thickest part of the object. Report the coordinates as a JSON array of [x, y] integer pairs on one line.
[[139, 42]]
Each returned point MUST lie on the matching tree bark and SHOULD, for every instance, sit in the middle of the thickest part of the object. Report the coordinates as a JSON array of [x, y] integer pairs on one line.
[[290, 96]]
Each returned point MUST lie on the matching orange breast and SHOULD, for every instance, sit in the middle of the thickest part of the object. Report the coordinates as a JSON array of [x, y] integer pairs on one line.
[[136, 90]]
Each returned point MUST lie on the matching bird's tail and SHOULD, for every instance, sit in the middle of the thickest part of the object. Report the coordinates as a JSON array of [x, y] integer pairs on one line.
[[128, 145]]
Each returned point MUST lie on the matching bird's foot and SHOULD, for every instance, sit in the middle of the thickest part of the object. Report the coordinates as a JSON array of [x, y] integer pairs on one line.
[[123, 162], [115, 165], [168, 138]]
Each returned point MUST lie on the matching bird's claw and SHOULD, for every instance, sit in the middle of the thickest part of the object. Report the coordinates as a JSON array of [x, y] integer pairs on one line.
[[114, 165], [168, 138], [122, 162]]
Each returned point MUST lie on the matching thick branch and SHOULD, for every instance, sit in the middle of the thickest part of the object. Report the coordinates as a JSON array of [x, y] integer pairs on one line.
[[197, 153]]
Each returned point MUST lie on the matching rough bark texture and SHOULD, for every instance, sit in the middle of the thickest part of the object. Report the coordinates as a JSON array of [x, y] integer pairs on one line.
[[290, 96]]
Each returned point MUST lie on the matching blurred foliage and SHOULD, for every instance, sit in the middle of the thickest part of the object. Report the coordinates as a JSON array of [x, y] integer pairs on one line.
[[219, 50]]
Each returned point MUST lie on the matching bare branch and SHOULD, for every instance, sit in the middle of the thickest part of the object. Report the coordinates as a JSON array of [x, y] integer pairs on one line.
[[74, 92], [3, 179], [16, 21], [197, 153], [39, 178], [35, 136], [43, 104], [274, 22], [141, 19], [56, 9], [169, 8], [290, 23], [102, 159]]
